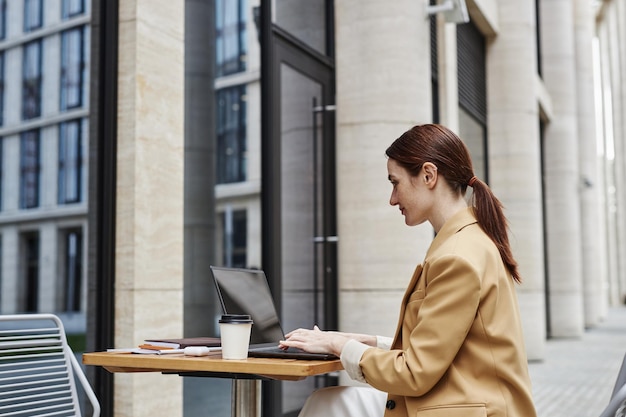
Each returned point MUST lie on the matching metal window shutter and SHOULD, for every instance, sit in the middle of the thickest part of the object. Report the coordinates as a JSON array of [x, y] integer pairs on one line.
[[471, 71]]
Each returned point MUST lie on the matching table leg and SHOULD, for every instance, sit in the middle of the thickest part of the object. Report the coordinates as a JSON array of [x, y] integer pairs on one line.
[[246, 398]]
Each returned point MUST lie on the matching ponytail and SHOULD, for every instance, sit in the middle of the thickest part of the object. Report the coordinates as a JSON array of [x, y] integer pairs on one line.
[[489, 213]]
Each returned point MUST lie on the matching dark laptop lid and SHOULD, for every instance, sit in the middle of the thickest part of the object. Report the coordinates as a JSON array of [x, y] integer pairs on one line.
[[246, 291]]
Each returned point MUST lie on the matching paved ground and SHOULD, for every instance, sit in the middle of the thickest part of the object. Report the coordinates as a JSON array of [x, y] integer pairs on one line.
[[577, 377]]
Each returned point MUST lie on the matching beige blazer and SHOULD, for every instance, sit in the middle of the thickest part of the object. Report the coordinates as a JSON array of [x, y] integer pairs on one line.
[[458, 350]]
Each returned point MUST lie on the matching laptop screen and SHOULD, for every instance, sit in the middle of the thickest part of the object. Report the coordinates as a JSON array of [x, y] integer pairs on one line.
[[246, 291]]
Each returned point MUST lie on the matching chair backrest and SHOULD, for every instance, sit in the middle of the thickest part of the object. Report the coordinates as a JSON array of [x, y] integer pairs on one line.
[[37, 368], [617, 404]]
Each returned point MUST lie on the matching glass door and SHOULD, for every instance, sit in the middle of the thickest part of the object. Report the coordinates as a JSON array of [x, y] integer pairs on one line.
[[299, 232]]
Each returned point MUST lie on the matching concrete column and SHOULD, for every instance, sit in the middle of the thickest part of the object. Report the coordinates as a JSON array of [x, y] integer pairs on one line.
[[515, 155], [448, 74], [48, 268], [619, 105], [383, 89], [149, 213], [10, 267], [591, 227], [561, 171], [609, 212]]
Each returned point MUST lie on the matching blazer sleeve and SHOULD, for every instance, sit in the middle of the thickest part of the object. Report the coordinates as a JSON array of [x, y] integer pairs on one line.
[[442, 320]]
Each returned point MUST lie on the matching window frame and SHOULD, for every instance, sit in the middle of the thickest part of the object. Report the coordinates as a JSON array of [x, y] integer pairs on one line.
[[30, 271], [73, 268], [231, 132], [71, 8], [72, 77], [2, 88], [33, 82], [33, 19], [30, 172], [3, 19], [70, 170], [235, 238], [228, 33]]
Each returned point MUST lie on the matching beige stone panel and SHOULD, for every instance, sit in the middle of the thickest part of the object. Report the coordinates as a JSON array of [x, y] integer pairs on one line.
[[514, 154], [383, 89], [143, 313], [165, 16], [147, 394], [516, 15], [566, 320], [374, 241], [376, 66], [593, 236], [150, 156], [533, 323], [514, 160], [140, 315], [371, 312], [149, 229], [126, 150]]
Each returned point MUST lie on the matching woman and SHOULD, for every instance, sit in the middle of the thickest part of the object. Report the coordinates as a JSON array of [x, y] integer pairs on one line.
[[458, 350]]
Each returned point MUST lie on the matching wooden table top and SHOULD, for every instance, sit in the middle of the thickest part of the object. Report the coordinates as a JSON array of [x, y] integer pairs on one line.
[[283, 369]]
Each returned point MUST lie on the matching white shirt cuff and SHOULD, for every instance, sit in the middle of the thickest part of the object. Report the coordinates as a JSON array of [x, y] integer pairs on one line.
[[384, 342], [350, 358]]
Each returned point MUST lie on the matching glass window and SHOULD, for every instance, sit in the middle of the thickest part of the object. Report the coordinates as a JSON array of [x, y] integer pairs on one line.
[[31, 83], [235, 238], [29, 284], [230, 44], [306, 20], [70, 162], [73, 265], [72, 67], [33, 15], [231, 135], [1, 263], [1, 88], [1, 172], [72, 8], [29, 169], [3, 19]]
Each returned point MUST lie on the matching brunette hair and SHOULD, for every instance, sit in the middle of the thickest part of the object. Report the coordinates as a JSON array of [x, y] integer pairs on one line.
[[439, 145]]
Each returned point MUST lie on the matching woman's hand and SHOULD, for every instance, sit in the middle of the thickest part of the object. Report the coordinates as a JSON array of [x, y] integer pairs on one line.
[[315, 341]]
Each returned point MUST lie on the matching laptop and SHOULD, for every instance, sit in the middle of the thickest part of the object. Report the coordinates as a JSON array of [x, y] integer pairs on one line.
[[246, 291]]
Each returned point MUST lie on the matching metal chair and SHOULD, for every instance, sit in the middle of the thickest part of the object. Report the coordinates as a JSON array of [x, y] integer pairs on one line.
[[37, 369], [617, 404]]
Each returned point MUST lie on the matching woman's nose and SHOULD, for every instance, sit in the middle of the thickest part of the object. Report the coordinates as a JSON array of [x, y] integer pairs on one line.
[[392, 200]]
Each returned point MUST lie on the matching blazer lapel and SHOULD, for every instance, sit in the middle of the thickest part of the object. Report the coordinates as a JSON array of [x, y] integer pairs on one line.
[[397, 340]]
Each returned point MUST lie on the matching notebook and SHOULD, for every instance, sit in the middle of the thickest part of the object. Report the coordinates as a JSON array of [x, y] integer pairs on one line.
[[246, 291]]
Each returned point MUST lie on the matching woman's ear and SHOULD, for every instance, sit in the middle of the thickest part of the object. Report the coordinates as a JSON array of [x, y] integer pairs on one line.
[[429, 173]]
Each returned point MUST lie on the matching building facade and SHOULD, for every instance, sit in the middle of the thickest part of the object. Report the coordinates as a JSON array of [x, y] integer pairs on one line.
[[44, 65], [249, 133]]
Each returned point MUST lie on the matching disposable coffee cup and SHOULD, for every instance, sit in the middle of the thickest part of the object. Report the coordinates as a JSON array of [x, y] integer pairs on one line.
[[235, 333]]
